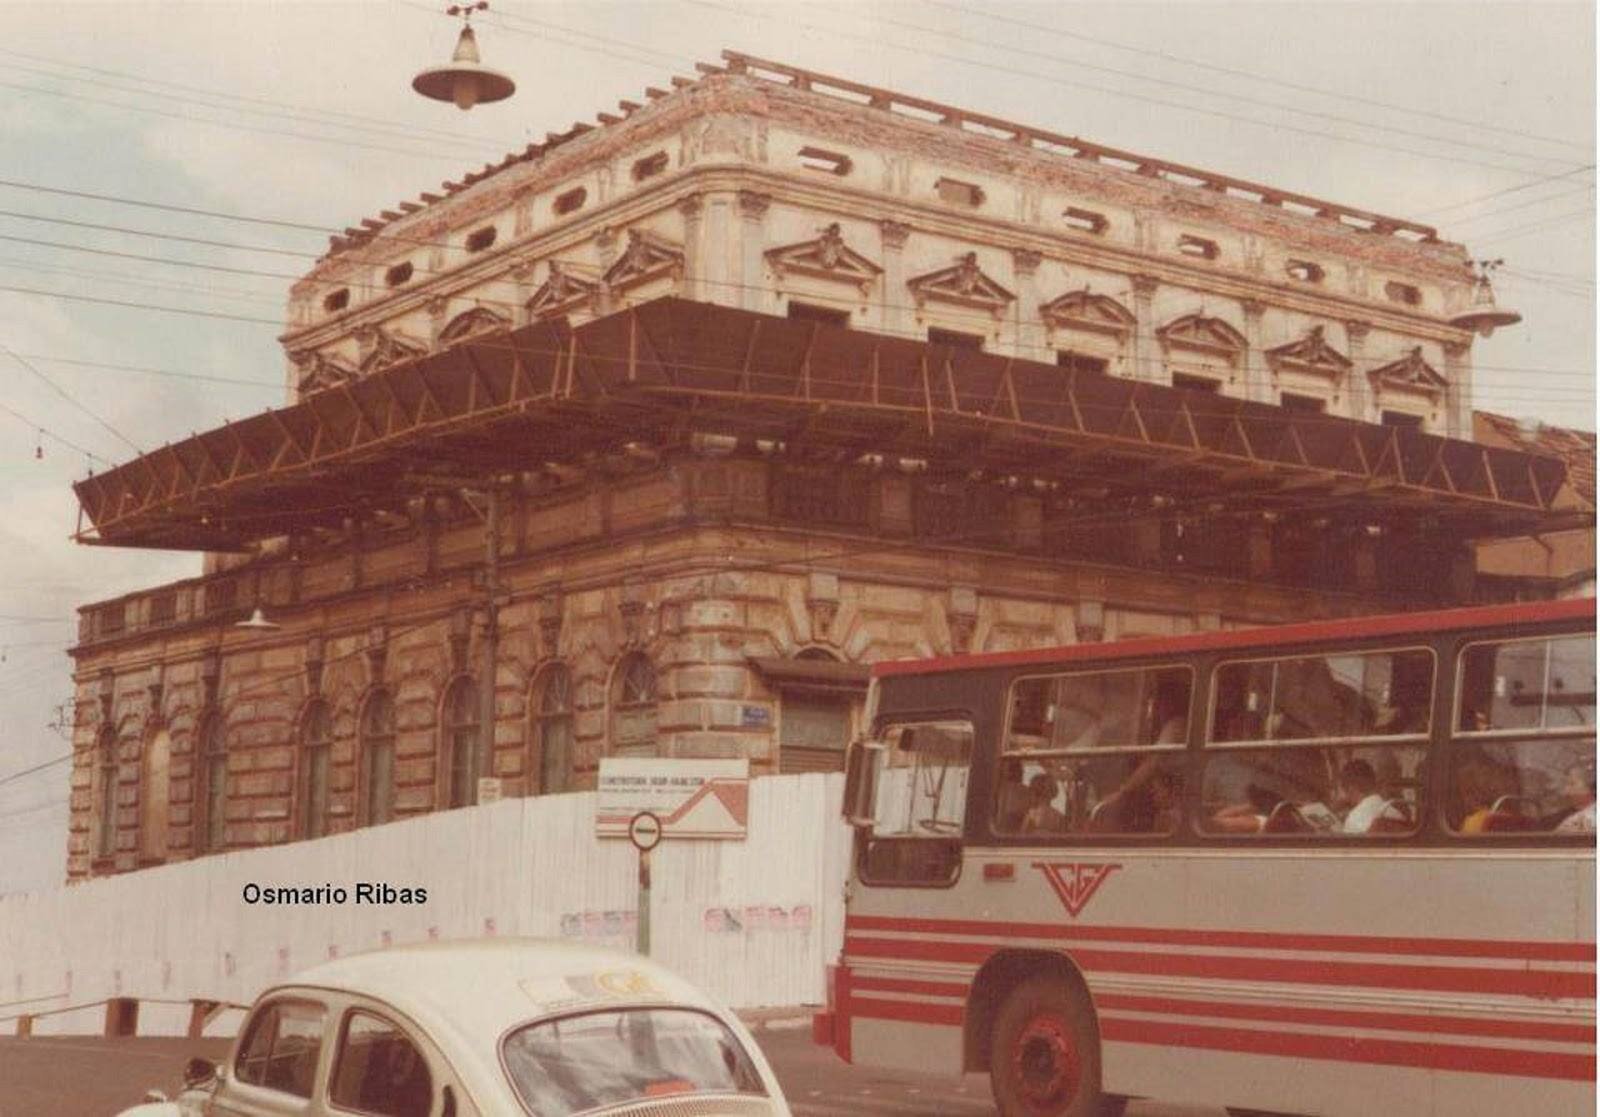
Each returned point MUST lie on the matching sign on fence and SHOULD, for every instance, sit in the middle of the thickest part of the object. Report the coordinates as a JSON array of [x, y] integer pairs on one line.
[[692, 798]]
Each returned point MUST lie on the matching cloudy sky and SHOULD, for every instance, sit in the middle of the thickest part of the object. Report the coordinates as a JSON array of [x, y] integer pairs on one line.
[[1476, 117]]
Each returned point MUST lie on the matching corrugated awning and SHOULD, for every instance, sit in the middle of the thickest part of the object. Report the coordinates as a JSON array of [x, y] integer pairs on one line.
[[653, 374]]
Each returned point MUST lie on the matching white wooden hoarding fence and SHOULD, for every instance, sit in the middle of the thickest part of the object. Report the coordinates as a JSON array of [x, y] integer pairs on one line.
[[753, 923]]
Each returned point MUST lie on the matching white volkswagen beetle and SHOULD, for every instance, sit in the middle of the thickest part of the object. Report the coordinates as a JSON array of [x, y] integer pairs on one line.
[[484, 1029]]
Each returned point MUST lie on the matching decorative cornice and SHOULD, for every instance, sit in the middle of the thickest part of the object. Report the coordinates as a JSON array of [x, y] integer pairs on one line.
[[1144, 285], [648, 256], [1083, 310], [825, 256], [561, 293], [1311, 353], [1410, 373], [1209, 335], [391, 349], [471, 323], [753, 203], [963, 283], [691, 206], [1026, 261], [895, 233]]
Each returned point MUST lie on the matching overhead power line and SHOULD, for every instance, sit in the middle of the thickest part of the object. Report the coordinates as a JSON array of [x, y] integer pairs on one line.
[[69, 397], [880, 43], [1337, 94]]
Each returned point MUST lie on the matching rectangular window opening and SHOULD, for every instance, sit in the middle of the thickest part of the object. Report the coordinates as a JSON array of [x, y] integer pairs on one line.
[[481, 239], [827, 315], [649, 166], [571, 201], [336, 301], [1080, 362], [400, 273], [1196, 383], [1305, 271], [1086, 220], [956, 339], [1402, 293], [959, 193], [828, 162], [1302, 405], [1198, 247], [1401, 419]]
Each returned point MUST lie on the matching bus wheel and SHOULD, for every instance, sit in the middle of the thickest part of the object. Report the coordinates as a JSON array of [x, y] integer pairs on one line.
[[1046, 1056]]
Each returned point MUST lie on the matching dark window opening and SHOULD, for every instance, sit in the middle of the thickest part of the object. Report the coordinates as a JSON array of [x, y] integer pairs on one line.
[[824, 495], [1302, 405], [829, 162], [571, 201], [1196, 383], [1402, 293], [481, 239], [1086, 219], [959, 193], [1198, 247], [1305, 271], [649, 166], [336, 300], [1080, 362], [828, 316], [956, 339], [1401, 419], [400, 273]]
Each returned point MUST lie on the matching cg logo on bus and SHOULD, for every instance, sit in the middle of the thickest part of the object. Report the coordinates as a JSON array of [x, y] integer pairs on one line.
[[1075, 882]]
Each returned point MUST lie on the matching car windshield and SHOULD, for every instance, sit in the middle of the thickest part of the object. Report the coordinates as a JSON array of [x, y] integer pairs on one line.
[[578, 1064]]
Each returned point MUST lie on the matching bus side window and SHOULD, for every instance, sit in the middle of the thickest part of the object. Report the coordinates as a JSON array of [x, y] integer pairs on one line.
[[1523, 757], [1096, 752]]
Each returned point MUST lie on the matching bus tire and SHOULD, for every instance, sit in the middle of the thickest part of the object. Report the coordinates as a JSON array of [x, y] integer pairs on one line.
[[1045, 1061]]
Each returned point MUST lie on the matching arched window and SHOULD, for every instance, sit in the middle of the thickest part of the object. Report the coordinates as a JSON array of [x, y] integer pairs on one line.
[[377, 759], [633, 707], [550, 757], [153, 795], [211, 796], [105, 812], [462, 743], [316, 747]]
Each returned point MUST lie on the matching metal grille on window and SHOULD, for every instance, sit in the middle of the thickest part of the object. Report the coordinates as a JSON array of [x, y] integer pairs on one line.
[[214, 744], [633, 710], [553, 730], [813, 726], [316, 736], [105, 842], [377, 757], [462, 739]]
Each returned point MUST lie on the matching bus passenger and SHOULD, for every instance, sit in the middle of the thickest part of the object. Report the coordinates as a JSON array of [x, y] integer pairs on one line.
[[1014, 799], [1578, 787], [1043, 817], [1358, 790], [1249, 817]]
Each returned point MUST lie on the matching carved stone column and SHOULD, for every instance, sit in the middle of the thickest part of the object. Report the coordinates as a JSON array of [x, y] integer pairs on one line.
[[1458, 389], [720, 267], [753, 206], [1361, 404], [1029, 343], [1257, 382], [1144, 328], [895, 296], [692, 208]]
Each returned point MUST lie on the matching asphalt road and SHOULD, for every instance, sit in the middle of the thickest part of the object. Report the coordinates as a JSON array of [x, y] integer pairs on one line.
[[86, 1076]]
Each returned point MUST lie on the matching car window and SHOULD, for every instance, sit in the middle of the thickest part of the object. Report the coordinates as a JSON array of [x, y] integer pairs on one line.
[[379, 1071], [282, 1044], [597, 1060]]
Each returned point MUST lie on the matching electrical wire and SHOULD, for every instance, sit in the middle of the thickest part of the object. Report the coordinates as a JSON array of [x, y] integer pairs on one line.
[[70, 398], [1338, 94]]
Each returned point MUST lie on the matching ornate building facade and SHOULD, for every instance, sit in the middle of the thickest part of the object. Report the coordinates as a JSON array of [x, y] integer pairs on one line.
[[649, 439]]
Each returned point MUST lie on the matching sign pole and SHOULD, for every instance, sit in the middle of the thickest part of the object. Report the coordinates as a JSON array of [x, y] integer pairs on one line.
[[644, 903], [645, 832]]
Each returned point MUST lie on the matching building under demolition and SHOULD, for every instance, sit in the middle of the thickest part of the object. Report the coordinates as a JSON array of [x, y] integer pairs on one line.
[[650, 438]]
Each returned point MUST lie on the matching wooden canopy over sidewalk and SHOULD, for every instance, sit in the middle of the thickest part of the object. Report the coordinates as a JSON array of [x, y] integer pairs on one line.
[[510, 401]]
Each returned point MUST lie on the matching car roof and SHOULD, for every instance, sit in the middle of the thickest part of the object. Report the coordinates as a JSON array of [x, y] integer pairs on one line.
[[480, 989]]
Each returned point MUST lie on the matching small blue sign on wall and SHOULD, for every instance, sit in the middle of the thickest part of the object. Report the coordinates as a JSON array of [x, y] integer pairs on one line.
[[755, 717]]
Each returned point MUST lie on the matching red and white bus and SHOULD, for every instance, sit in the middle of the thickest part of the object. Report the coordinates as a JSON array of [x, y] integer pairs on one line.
[[1332, 868]]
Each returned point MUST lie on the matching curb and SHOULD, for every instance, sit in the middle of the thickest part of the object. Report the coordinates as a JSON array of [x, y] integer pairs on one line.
[[777, 1019]]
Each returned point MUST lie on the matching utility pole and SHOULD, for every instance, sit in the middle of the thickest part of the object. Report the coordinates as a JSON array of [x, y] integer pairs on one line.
[[491, 635]]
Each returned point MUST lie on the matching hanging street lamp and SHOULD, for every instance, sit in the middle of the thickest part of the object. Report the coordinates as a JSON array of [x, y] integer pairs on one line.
[[465, 80]]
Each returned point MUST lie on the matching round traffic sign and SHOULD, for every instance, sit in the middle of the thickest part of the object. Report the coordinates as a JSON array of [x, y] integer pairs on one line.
[[644, 831]]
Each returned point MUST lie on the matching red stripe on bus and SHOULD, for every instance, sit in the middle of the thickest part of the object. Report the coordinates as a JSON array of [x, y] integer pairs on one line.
[[1517, 982], [1355, 628], [1354, 1049], [1393, 1021], [922, 988], [912, 1012], [1253, 940]]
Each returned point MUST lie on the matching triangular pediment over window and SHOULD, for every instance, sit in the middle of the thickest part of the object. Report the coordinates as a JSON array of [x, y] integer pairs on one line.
[[648, 256], [322, 370], [561, 294], [1083, 310], [825, 257], [471, 323], [1311, 353], [390, 349], [1196, 331], [1411, 373], [964, 284]]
